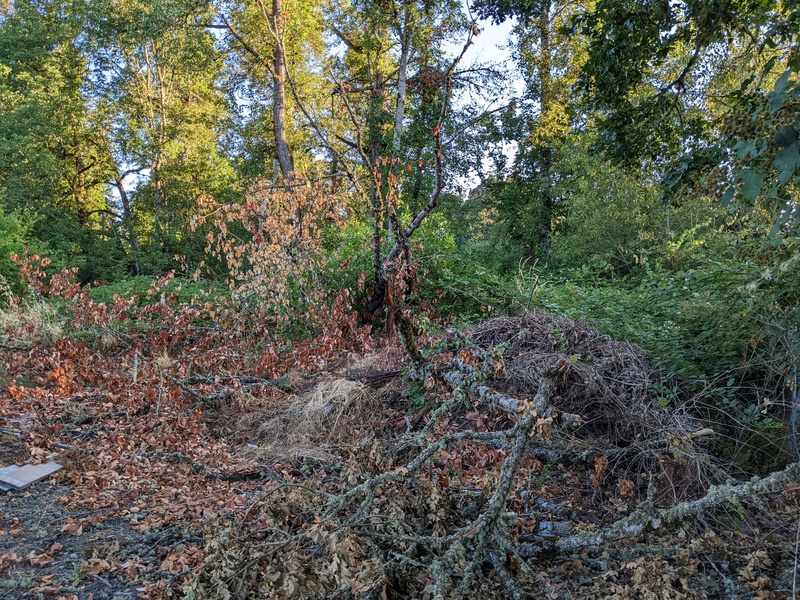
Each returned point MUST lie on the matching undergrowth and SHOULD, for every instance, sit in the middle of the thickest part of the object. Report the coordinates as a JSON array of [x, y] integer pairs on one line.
[[720, 327]]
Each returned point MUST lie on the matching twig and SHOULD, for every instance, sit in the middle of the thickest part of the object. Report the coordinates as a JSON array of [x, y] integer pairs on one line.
[[102, 580], [730, 586], [367, 488], [488, 520]]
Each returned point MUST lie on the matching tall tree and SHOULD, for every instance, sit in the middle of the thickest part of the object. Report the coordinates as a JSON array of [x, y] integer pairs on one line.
[[277, 21], [50, 167], [268, 44], [549, 60], [156, 74]]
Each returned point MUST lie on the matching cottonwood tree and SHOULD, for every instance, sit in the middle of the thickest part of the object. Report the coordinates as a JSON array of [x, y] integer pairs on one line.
[[266, 44], [379, 125], [549, 58], [366, 111]]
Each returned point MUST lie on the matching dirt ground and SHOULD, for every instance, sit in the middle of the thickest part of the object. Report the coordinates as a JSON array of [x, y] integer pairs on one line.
[[44, 560], [44, 555]]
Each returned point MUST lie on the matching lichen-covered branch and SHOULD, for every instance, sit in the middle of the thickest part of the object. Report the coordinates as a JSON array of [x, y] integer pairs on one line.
[[644, 519]]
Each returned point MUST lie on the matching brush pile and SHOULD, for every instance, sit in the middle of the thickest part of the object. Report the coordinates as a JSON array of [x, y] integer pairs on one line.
[[607, 383], [531, 432], [611, 387]]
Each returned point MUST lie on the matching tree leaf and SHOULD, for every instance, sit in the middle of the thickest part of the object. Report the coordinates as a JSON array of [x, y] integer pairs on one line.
[[787, 162], [745, 147], [727, 197], [751, 184], [786, 136], [783, 80]]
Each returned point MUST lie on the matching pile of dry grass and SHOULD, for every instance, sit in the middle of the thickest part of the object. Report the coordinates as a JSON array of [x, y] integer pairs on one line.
[[333, 413]]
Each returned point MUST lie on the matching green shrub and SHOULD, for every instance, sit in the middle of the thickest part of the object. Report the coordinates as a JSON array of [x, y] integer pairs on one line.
[[187, 290]]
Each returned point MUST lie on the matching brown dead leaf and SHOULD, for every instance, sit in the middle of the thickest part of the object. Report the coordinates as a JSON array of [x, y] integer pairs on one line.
[[98, 565], [39, 560]]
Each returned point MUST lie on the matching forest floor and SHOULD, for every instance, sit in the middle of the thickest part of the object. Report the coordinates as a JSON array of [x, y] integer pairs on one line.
[[41, 557], [523, 459]]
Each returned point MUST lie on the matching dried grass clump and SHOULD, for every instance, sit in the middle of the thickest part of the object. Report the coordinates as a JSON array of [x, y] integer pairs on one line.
[[333, 413], [34, 321]]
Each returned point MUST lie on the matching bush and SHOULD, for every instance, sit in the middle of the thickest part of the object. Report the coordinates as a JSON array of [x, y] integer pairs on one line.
[[187, 290], [14, 239]]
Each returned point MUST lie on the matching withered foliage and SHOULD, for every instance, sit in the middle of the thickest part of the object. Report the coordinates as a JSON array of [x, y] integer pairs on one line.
[[271, 242], [521, 459]]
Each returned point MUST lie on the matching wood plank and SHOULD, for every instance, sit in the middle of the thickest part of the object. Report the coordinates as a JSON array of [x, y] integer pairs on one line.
[[21, 477]]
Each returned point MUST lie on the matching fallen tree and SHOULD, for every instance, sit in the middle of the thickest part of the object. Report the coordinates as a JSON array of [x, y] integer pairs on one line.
[[645, 519]]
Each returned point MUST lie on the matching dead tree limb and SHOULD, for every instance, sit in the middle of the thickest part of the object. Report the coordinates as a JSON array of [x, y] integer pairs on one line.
[[644, 520]]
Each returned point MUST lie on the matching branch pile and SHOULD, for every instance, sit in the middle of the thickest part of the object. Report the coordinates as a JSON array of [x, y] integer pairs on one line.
[[450, 507]]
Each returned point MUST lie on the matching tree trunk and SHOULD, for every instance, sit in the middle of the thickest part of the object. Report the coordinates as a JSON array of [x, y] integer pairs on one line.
[[399, 114], [546, 102], [127, 217], [377, 199], [279, 93]]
